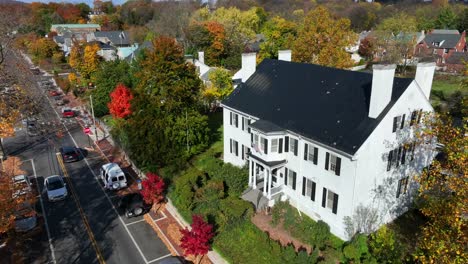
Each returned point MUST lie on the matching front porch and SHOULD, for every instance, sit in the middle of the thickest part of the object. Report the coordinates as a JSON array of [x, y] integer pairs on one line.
[[265, 186]]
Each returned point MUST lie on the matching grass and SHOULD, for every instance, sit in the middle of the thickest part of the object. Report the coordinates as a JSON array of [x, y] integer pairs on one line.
[[447, 84]]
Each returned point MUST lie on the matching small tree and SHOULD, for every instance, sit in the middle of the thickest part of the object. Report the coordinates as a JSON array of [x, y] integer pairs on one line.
[[196, 241], [153, 188], [119, 106]]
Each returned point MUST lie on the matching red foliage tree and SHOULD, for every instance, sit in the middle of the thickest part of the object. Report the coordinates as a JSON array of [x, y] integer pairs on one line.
[[119, 106], [153, 188], [197, 240]]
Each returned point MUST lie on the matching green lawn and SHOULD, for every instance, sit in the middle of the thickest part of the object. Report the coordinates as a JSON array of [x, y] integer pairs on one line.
[[447, 84]]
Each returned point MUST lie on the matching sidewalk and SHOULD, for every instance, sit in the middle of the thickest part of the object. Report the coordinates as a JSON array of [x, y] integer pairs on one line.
[[166, 222]]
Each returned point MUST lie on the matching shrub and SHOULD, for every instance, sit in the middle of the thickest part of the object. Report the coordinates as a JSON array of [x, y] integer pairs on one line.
[[184, 189], [356, 249], [153, 188], [233, 210], [383, 245], [321, 233]]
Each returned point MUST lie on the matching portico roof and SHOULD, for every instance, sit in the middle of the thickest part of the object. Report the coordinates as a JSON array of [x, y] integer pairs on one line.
[[270, 164]]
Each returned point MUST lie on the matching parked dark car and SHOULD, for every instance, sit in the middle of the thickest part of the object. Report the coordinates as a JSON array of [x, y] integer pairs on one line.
[[134, 205], [70, 154]]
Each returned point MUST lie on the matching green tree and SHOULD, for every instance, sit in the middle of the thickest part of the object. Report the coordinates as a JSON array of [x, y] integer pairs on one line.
[[219, 86], [279, 34], [462, 23], [384, 246], [107, 77], [322, 39], [400, 22], [166, 126], [447, 19]]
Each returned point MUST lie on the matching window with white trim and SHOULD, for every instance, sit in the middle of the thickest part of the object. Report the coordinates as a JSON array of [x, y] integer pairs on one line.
[[330, 200], [274, 145], [308, 188], [333, 163], [290, 178], [245, 126], [310, 153], [234, 119], [402, 187], [234, 147]]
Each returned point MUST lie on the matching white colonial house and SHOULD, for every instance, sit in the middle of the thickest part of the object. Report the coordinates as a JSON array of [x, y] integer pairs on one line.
[[329, 140]]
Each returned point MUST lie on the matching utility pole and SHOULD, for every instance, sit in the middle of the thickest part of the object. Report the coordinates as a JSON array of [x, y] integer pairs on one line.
[[94, 118], [187, 131]]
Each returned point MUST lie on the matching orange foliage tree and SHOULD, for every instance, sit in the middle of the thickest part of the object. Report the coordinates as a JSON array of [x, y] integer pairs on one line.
[[443, 195], [119, 106], [90, 61]]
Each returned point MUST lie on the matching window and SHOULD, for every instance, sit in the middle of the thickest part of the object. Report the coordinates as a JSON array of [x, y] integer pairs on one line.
[[402, 187], [234, 147], [333, 163], [274, 145], [308, 188], [446, 51], [310, 153], [330, 200], [398, 156], [245, 124], [255, 142], [290, 178], [245, 152], [293, 145], [414, 116], [398, 122], [234, 119]]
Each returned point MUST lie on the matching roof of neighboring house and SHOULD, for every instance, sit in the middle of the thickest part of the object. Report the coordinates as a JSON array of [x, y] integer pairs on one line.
[[102, 45], [59, 39], [75, 26], [145, 45], [446, 41], [115, 37], [327, 105], [457, 58], [206, 75], [445, 31]]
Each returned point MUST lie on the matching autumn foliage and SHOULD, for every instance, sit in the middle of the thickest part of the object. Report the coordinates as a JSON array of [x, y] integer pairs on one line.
[[196, 241], [119, 106], [153, 188]]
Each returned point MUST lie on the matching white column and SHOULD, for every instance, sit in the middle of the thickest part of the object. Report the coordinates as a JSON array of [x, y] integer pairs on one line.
[[250, 172], [269, 184], [254, 183], [265, 180]]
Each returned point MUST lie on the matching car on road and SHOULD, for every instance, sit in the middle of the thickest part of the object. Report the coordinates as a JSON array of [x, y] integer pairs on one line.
[[67, 112], [32, 128], [54, 92], [21, 185], [134, 205], [70, 154], [55, 188], [112, 176], [35, 70], [59, 101], [25, 218]]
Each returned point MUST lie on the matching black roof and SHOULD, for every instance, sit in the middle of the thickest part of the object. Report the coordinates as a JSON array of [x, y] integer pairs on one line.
[[446, 41], [268, 163], [324, 104], [266, 126]]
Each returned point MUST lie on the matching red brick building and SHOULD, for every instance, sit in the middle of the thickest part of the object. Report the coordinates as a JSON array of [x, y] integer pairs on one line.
[[442, 44]]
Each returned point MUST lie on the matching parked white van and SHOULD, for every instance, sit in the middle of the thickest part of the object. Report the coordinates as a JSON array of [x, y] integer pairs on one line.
[[112, 176]]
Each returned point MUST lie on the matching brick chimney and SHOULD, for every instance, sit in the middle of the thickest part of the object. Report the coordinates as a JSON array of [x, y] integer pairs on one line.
[[424, 76], [284, 55], [382, 85]]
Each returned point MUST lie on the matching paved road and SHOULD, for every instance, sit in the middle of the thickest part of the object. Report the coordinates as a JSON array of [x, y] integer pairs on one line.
[[86, 227]]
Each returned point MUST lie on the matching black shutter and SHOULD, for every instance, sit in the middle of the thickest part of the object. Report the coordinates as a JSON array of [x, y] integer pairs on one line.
[[312, 196], [253, 170], [295, 146], [286, 144], [242, 123], [338, 166], [395, 120], [335, 203], [324, 197], [398, 151], [286, 176], [389, 163], [306, 147], [230, 146], [327, 159], [242, 151], [419, 116], [265, 146], [413, 118], [398, 189], [230, 115], [248, 128], [303, 185], [403, 121], [403, 156], [294, 180], [251, 140], [412, 151], [280, 145], [237, 120], [237, 148], [315, 155]]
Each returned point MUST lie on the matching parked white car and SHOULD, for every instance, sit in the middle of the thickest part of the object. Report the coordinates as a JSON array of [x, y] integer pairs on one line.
[[56, 188], [22, 185], [112, 176]]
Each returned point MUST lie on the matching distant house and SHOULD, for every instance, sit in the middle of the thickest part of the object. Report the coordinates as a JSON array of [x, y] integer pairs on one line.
[[329, 141], [442, 44], [354, 49], [119, 40], [60, 29]]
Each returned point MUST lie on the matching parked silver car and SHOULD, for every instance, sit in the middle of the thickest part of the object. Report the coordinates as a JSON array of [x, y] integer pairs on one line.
[[55, 188]]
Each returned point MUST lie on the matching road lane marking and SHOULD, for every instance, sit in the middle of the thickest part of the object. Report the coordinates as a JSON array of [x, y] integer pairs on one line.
[[103, 190], [80, 209], [52, 251], [135, 222], [156, 259]]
